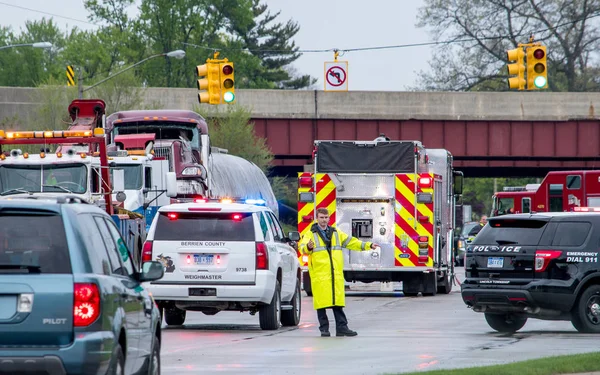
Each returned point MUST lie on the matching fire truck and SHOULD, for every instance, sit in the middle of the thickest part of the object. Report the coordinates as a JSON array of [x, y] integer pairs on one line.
[[395, 193], [559, 191]]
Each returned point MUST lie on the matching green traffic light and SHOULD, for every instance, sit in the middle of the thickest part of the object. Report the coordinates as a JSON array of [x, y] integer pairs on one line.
[[228, 97], [539, 82]]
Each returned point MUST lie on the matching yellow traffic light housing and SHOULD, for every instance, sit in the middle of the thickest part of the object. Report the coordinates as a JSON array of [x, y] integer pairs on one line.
[[209, 81], [516, 69], [537, 69], [227, 82]]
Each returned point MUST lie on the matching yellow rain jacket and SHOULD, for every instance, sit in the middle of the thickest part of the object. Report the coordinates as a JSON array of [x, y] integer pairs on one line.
[[326, 265]]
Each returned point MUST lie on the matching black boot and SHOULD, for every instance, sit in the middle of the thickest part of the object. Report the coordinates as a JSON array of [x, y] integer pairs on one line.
[[325, 334], [345, 332]]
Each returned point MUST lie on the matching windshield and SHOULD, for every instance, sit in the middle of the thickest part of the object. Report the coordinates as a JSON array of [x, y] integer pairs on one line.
[[467, 228], [47, 178], [133, 175], [502, 206], [162, 131]]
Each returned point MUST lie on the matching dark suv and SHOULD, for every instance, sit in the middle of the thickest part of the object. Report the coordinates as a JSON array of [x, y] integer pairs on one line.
[[542, 266], [70, 298]]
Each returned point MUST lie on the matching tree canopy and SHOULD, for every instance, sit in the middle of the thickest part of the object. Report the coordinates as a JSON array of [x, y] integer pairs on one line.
[[474, 36], [244, 31]]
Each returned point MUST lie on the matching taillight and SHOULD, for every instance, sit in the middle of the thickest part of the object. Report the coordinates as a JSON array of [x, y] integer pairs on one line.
[[305, 181], [425, 182], [423, 242], [543, 258], [147, 252], [262, 256], [86, 304]]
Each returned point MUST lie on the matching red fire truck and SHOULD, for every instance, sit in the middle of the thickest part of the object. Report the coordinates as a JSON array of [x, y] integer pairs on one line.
[[559, 191]]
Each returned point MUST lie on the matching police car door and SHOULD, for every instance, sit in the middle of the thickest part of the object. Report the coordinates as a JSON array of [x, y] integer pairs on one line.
[[287, 287]]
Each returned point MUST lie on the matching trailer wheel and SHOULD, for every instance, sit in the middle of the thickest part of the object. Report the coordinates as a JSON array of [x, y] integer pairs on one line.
[[307, 283]]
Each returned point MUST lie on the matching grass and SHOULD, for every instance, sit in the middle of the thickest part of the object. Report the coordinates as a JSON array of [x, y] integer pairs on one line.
[[565, 364]]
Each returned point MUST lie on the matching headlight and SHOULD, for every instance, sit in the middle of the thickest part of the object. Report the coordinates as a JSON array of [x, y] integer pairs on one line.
[[194, 171]]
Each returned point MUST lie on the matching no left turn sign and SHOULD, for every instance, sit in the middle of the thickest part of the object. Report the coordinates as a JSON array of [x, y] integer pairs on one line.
[[336, 76]]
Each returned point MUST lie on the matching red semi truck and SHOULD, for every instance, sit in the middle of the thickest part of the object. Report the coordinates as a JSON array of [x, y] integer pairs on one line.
[[559, 191]]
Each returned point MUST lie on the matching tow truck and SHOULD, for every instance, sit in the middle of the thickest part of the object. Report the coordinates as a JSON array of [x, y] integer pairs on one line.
[[80, 169]]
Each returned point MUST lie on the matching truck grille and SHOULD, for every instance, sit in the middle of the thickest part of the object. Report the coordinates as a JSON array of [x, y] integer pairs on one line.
[[164, 152]]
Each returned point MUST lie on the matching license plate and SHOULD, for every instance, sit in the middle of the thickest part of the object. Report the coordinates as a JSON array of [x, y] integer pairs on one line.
[[495, 262], [203, 259]]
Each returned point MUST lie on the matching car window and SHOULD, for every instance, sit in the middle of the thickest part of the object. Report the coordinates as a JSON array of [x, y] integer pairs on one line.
[[95, 248], [121, 246], [111, 248], [276, 234], [278, 227], [264, 227], [34, 240], [213, 226], [511, 231], [571, 234]]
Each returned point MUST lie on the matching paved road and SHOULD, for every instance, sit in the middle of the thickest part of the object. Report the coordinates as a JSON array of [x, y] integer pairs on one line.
[[396, 334]]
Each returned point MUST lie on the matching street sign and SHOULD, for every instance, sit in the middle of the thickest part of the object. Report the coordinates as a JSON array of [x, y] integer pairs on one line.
[[70, 76], [336, 76]]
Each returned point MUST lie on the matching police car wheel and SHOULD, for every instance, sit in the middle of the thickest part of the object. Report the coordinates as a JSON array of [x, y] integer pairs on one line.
[[586, 313], [506, 323]]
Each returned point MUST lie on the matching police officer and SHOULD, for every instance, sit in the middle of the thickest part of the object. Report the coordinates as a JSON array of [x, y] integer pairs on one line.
[[473, 232], [323, 244]]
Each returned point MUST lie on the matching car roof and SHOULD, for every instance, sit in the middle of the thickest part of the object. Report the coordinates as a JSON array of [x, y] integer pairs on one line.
[[548, 216], [214, 207], [48, 203]]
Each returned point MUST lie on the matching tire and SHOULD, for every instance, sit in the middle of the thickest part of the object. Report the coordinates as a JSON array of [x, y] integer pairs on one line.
[[269, 315], [290, 318], [445, 285], [506, 323], [154, 362], [586, 312], [307, 283], [174, 316], [117, 366]]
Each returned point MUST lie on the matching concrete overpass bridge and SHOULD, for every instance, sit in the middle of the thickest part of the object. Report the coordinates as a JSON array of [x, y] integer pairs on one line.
[[490, 134]]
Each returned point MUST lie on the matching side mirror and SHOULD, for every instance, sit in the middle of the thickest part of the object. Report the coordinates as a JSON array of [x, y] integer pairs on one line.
[[294, 236], [118, 176], [151, 271], [171, 181], [458, 182]]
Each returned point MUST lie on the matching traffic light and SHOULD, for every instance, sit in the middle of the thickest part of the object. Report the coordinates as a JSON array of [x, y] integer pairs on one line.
[[516, 69], [537, 72], [227, 82], [209, 82]]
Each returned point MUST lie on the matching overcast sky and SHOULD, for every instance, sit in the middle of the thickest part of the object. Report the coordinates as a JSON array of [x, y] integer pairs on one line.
[[324, 24]]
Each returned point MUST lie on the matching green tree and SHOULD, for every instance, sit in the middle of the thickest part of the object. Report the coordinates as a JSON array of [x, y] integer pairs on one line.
[[482, 31]]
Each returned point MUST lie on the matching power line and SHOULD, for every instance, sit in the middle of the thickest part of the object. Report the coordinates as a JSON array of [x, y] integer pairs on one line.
[[47, 13], [395, 46]]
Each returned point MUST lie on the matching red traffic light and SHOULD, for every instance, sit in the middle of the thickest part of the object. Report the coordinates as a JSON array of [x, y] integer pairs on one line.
[[227, 69], [539, 53]]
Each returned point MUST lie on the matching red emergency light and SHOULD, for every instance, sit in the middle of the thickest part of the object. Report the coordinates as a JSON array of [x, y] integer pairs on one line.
[[172, 216], [425, 182], [305, 182], [586, 209], [237, 217]]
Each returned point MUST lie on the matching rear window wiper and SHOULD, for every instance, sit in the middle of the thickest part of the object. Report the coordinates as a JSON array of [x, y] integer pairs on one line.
[[30, 267], [506, 242]]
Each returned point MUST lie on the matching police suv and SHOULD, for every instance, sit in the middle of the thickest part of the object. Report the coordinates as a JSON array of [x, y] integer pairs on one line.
[[541, 265], [224, 256]]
